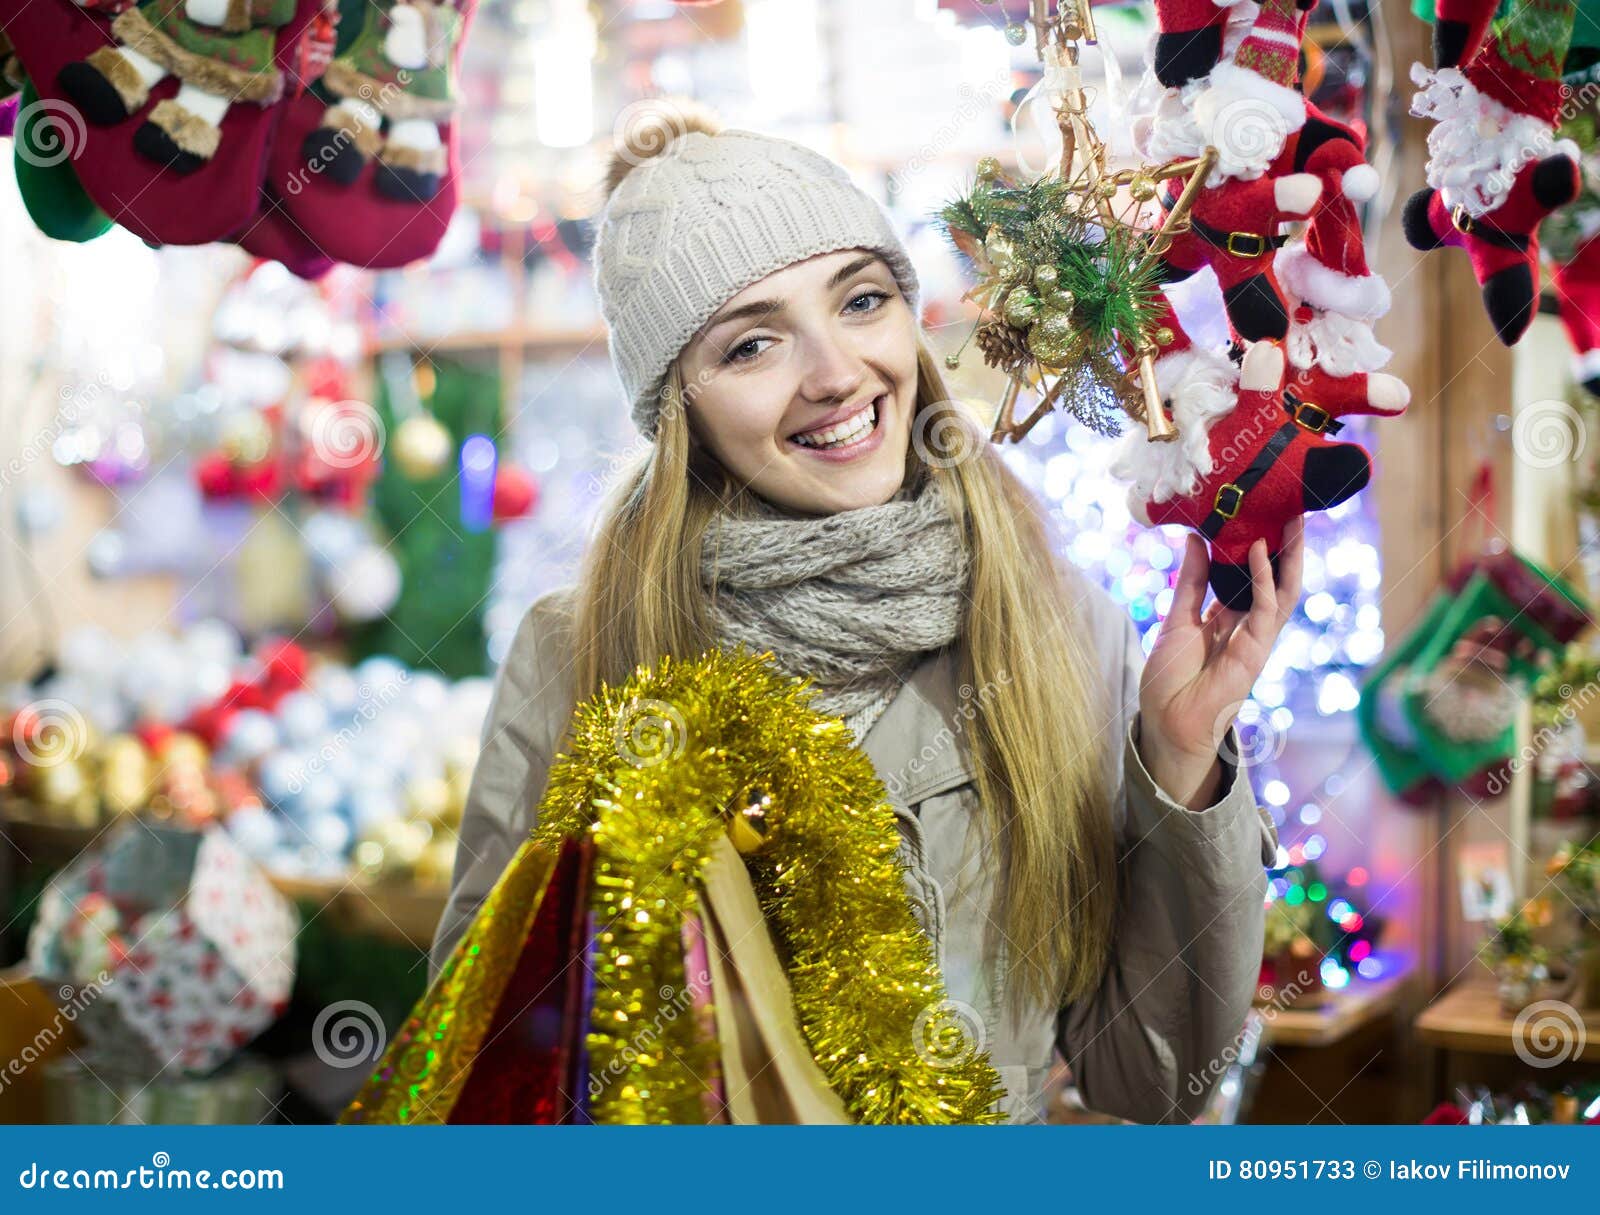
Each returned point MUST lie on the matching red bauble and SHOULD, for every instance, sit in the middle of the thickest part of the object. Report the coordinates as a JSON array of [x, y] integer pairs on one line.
[[516, 493]]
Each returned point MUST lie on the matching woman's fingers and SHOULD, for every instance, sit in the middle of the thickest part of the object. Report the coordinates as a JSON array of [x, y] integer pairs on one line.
[[1291, 566], [1262, 620], [1190, 589]]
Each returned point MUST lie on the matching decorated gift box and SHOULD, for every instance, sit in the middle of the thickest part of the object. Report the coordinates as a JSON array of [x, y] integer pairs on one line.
[[172, 944]]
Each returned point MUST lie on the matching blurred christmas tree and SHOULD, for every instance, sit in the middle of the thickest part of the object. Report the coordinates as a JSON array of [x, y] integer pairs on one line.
[[446, 568]]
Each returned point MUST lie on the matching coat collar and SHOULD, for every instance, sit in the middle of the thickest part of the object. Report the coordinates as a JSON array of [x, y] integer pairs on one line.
[[918, 744]]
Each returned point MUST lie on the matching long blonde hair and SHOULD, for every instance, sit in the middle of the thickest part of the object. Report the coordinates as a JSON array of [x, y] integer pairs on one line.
[[1036, 744]]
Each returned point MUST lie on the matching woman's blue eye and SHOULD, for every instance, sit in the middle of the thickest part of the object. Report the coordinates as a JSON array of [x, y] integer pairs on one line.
[[875, 299], [745, 350]]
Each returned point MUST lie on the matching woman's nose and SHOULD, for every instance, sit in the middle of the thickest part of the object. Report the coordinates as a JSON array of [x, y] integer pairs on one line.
[[833, 371]]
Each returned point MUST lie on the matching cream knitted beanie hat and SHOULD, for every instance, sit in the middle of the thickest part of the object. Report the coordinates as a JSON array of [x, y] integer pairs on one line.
[[695, 215]]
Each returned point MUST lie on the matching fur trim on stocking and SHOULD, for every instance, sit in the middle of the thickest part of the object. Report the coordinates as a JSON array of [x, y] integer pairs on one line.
[[389, 98], [1201, 386], [133, 29], [418, 160], [187, 129], [1477, 145], [121, 75], [366, 140]]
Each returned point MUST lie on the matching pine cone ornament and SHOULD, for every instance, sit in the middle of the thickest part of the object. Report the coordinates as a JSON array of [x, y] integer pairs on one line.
[[1004, 347]]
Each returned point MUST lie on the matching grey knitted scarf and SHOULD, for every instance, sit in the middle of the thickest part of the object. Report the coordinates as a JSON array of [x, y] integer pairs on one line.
[[853, 600]]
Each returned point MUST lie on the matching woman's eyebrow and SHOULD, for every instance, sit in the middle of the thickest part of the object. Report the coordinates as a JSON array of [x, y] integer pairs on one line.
[[769, 307]]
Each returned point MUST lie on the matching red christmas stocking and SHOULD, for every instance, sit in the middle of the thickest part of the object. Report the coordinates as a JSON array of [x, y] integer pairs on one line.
[[371, 178], [179, 107], [1577, 287], [271, 234], [1259, 470], [1495, 168]]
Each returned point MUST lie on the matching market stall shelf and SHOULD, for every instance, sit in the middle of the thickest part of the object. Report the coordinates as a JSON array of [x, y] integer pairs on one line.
[[1468, 1018], [1341, 1014]]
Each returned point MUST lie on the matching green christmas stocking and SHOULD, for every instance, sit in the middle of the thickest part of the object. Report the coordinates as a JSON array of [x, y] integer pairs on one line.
[[1468, 680], [46, 179]]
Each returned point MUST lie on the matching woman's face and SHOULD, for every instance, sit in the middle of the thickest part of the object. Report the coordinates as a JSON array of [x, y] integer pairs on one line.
[[803, 385]]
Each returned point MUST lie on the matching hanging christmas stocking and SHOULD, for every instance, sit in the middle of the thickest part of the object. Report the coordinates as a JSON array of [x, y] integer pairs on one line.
[[222, 51], [1380, 717], [45, 178], [1495, 167], [1259, 469], [394, 88], [272, 235], [1339, 298], [1577, 286], [1466, 684], [177, 101], [370, 178]]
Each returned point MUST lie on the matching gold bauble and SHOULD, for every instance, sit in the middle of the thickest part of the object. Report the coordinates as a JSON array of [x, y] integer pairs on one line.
[[182, 752], [65, 791], [952, 361], [246, 437], [1021, 308], [428, 799], [1060, 300], [125, 775], [1106, 188], [988, 168], [1142, 187], [422, 447], [1046, 279], [1051, 339], [1164, 336]]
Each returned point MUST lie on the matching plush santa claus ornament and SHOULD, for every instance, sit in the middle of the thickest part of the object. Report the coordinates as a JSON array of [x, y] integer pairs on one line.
[[1339, 298], [1495, 167], [1233, 228], [1239, 475], [1250, 111]]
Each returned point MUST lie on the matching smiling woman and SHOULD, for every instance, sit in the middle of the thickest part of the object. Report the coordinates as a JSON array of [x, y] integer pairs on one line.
[[1072, 819], [804, 383]]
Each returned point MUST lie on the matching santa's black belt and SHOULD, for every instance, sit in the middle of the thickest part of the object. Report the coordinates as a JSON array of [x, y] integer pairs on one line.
[[1310, 415], [1230, 496], [1238, 244], [1487, 232]]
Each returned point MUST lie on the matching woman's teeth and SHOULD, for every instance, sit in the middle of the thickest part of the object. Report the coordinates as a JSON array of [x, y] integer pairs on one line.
[[847, 431]]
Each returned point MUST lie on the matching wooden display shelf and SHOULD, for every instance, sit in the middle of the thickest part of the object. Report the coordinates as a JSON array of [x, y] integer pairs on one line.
[[526, 341], [1340, 1015], [1467, 1017], [392, 911]]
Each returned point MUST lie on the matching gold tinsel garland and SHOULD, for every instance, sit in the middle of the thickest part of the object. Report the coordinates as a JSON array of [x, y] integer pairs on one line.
[[655, 770]]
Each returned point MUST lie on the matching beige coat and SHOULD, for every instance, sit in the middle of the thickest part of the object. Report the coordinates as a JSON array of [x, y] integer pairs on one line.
[[1149, 1044]]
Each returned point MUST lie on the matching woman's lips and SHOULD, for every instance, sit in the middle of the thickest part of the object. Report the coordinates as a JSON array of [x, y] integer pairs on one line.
[[866, 443]]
